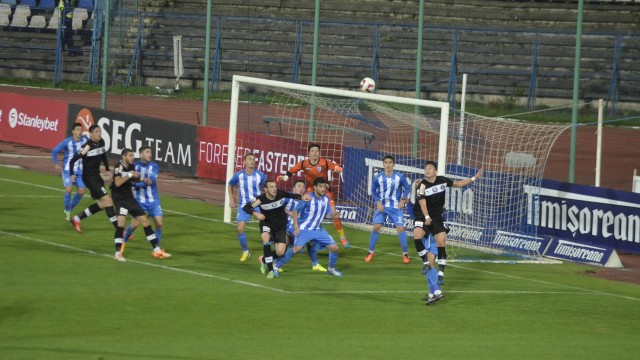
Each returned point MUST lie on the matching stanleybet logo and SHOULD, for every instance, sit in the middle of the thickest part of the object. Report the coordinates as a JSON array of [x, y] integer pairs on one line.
[[13, 118]]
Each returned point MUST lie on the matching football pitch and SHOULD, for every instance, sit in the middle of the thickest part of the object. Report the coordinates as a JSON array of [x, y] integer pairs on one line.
[[65, 297]]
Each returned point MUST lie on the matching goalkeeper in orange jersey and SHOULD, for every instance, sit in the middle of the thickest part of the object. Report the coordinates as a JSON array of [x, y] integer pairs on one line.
[[314, 167]]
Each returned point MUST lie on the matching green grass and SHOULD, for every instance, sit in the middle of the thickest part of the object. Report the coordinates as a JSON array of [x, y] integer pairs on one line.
[[64, 297]]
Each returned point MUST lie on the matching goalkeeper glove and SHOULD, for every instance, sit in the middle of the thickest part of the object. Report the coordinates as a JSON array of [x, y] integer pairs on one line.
[[282, 178], [337, 169]]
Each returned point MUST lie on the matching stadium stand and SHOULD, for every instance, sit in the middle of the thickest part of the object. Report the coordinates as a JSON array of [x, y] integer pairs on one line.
[[258, 38], [86, 4], [5, 12], [29, 3], [47, 4], [38, 22], [53, 20], [21, 16], [10, 2], [79, 16]]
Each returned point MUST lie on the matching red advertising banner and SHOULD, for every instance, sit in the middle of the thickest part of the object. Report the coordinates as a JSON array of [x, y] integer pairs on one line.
[[274, 155], [32, 121]]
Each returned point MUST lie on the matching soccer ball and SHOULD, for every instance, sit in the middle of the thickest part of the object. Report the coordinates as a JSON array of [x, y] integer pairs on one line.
[[367, 85]]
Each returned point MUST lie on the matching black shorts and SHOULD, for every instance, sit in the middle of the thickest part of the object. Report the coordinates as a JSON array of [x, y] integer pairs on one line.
[[437, 226], [95, 184], [128, 206], [279, 235]]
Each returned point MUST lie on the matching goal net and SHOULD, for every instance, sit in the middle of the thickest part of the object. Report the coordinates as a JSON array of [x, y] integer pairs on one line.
[[277, 121]]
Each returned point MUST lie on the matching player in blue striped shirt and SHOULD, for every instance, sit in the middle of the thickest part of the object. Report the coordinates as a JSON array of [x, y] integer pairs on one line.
[[250, 182], [146, 193], [70, 146], [390, 190], [298, 188], [307, 226]]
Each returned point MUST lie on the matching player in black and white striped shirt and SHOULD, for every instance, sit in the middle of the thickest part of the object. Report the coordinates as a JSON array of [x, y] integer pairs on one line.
[[428, 213], [93, 153], [273, 219]]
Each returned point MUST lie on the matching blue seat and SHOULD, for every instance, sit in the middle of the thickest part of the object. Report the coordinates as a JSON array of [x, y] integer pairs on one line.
[[86, 4], [47, 4], [30, 3], [10, 2]]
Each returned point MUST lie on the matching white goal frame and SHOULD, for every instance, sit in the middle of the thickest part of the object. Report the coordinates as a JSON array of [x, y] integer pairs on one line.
[[233, 118]]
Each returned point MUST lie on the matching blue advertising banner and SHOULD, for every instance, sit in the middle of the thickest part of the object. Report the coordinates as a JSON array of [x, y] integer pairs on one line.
[[586, 254], [586, 215], [474, 214]]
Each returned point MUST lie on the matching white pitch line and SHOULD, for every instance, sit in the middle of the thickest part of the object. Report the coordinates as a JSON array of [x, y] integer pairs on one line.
[[165, 267], [15, 156], [31, 196], [448, 292], [588, 291]]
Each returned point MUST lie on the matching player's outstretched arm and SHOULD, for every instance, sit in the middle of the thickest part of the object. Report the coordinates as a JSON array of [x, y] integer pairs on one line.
[[465, 182]]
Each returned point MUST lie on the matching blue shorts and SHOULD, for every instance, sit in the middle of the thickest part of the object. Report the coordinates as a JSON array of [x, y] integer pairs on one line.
[[321, 237], [395, 216], [152, 208], [243, 216], [430, 244], [66, 179]]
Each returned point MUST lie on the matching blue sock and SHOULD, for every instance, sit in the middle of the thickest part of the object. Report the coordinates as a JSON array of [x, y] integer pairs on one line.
[[373, 239], [128, 232], [333, 259], [279, 262], [76, 199], [313, 254], [403, 241], [67, 200], [159, 234], [432, 280], [243, 241]]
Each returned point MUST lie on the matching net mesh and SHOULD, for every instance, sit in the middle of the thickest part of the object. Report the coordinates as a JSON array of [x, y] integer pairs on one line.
[[278, 124]]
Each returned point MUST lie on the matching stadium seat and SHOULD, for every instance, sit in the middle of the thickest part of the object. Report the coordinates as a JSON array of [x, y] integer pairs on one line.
[[20, 16], [79, 16], [53, 20], [30, 3], [86, 4], [5, 11], [47, 4], [10, 2], [38, 22]]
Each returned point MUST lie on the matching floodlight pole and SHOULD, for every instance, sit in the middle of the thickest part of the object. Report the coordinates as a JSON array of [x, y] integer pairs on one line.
[[207, 62], [414, 148], [576, 90], [314, 70], [105, 54]]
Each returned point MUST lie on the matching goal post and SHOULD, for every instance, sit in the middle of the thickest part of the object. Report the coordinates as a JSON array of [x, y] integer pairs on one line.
[[238, 81], [495, 215]]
